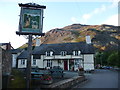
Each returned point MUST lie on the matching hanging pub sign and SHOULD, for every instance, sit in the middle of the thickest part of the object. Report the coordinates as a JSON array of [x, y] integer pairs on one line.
[[31, 18]]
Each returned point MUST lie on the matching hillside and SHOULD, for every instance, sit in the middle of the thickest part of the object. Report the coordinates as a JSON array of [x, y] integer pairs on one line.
[[104, 37]]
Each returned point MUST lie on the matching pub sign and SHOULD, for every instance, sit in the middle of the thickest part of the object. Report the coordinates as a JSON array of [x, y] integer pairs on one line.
[[31, 18]]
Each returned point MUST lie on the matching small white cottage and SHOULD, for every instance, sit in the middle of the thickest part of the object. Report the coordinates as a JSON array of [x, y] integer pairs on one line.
[[69, 56], [15, 54]]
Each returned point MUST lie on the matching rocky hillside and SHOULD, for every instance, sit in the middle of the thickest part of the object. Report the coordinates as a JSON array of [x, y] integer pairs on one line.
[[104, 37]]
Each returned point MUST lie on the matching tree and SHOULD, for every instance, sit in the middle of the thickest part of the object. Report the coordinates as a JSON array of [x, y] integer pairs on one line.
[[110, 58], [113, 59], [101, 57]]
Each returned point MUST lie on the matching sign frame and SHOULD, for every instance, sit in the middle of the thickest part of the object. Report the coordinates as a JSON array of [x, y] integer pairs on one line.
[[31, 19]]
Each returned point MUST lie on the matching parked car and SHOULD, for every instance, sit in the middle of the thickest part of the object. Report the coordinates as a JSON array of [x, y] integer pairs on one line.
[[57, 71], [107, 67]]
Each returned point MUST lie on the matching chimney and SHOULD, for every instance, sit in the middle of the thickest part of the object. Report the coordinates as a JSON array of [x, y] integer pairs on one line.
[[88, 39], [37, 42]]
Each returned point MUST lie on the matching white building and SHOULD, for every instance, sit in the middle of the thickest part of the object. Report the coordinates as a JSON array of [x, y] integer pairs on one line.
[[15, 54], [69, 56]]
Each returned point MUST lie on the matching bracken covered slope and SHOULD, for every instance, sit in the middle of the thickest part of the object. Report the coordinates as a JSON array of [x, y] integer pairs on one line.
[[104, 37]]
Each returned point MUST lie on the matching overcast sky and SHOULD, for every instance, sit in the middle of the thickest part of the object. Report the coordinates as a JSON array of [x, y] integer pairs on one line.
[[58, 13]]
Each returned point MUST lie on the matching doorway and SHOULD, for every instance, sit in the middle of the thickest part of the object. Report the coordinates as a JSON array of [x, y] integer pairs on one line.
[[66, 65]]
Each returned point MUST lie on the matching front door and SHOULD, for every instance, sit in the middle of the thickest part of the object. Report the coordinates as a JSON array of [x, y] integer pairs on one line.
[[65, 65]]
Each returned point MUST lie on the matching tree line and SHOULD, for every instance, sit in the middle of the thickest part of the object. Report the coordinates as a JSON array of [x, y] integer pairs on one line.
[[108, 58]]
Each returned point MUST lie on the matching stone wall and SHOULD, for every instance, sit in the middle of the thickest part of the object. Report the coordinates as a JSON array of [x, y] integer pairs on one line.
[[6, 62], [6, 67], [64, 84]]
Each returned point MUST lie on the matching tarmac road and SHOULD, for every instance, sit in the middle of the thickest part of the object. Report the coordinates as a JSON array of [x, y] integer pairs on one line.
[[100, 79]]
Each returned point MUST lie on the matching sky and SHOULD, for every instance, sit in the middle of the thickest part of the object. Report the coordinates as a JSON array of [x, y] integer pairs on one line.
[[58, 14]]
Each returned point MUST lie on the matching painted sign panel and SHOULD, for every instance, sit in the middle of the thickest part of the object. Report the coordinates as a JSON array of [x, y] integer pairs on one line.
[[31, 20]]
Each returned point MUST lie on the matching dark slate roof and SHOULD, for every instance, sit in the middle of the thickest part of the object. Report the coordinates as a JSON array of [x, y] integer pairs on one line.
[[57, 48], [4, 44], [69, 47], [23, 55], [15, 51]]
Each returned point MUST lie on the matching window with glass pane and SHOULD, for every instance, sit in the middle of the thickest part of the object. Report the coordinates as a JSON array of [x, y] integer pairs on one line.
[[34, 61], [50, 53], [23, 62], [76, 53], [63, 53], [49, 63]]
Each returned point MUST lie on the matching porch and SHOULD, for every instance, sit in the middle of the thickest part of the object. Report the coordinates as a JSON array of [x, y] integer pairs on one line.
[[65, 64]]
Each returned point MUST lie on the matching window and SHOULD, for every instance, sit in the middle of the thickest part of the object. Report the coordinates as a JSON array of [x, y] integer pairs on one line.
[[23, 62], [47, 53], [50, 53], [63, 53], [76, 53], [49, 63], [34, 61]]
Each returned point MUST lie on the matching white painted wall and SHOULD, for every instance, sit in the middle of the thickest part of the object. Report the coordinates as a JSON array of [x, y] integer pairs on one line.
[[39, 63], [54, 63], [20, 65], [88, 62], [48, 57], [61, 63], [42, 63], [62, 57], [14, 59], [76, 57]]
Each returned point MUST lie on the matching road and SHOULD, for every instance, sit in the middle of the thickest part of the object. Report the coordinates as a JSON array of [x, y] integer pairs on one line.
[[100, 79]]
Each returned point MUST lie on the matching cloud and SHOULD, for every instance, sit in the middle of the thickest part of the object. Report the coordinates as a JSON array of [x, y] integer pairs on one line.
[[112, 20], [86, 17], [114, 3], [74, 20], [103, 8], [99, 10]]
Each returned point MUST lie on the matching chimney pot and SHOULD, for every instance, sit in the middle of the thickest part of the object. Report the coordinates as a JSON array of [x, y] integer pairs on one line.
[[88, 39]]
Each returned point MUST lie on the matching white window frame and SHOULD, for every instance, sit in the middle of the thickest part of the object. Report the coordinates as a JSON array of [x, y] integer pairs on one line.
[[23, 62], [76, 53], [49, 63], [50, 53], [63, 53], [47, 53]]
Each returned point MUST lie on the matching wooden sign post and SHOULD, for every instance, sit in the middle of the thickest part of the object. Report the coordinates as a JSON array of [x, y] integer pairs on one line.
[[30, 23]]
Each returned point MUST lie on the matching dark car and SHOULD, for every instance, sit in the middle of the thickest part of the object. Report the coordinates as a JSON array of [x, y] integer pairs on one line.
[[57, 71], [57, 67]]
